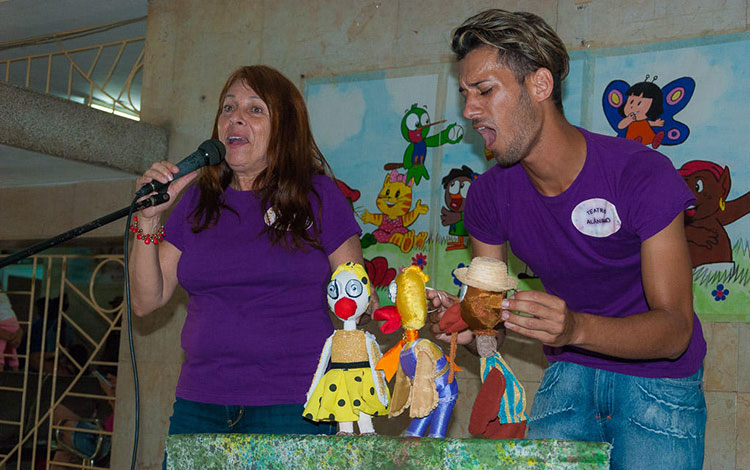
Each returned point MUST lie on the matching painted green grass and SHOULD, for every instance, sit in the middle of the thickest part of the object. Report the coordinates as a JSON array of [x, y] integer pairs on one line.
[[736, 307]]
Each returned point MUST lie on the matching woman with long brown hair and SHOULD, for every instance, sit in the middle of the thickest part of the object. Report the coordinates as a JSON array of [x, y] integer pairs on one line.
[[253, 243]]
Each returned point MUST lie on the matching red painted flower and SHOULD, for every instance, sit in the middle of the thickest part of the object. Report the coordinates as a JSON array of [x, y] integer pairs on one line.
[[419, 260], [351, 194]]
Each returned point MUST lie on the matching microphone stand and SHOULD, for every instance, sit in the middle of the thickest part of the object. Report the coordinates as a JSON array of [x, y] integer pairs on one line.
[[155, 200], [159, 198]]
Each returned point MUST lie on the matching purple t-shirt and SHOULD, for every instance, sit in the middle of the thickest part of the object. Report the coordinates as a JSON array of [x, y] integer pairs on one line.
[[258, 316], [585, 244]]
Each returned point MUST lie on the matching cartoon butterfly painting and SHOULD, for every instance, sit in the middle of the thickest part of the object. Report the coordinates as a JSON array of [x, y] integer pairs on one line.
[[646, 113]]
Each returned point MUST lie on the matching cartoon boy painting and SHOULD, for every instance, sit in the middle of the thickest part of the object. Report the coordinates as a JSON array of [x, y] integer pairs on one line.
[[456, 184]]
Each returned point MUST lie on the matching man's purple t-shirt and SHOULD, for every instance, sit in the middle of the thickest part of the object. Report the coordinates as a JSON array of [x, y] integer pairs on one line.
[[258, 316], [585, 244]]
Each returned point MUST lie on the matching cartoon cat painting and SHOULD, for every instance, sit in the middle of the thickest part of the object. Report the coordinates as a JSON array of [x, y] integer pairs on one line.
[[394, 202]]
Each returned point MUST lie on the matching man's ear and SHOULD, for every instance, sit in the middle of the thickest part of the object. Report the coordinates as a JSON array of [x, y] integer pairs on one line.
[[539, 84]]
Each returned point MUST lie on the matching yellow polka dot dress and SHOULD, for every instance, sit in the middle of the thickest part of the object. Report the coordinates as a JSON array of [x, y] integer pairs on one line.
[[348, 387]]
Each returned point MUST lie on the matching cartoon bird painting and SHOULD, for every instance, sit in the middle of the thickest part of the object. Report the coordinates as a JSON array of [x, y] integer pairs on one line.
[[352, 389], [415, 125], [424, 383]]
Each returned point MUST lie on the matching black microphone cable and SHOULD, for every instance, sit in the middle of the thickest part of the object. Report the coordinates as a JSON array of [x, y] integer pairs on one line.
[[136, 386], [210, 152], [157, 199]]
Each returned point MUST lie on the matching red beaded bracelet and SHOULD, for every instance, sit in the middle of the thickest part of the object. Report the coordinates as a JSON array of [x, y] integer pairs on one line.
[[147, 238]]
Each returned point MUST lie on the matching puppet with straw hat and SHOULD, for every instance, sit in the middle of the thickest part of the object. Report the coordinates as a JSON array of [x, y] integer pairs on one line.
[[499, 411]]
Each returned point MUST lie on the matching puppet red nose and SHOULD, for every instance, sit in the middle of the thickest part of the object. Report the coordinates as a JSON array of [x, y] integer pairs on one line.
[[345, 308]]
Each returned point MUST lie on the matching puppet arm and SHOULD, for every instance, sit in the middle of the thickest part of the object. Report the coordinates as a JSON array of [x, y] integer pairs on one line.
[[401, 397], [487, 403], [424, 394], [325, 357], [378, 376]]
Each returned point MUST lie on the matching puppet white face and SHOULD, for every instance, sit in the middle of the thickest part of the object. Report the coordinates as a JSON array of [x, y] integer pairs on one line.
[[348, 296], [392, 291]]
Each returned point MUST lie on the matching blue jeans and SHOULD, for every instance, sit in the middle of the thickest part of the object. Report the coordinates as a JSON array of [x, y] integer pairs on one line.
[[651, 423], [191, 417]]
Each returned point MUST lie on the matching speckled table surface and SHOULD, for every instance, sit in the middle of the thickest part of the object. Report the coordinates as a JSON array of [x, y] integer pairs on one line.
[[288, 452]]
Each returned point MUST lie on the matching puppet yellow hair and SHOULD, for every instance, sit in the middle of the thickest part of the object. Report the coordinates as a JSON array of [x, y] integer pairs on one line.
[[358, 271], [410, 300]]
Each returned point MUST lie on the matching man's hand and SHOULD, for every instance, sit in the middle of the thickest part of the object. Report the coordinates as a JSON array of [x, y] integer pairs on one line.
[[550, 320], [438, 302]]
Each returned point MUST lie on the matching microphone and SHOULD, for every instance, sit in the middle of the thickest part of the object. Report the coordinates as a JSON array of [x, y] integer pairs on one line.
[[210, 152]]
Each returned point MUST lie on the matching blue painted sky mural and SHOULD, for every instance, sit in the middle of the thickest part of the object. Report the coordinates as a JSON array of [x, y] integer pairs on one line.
[[357, 120]]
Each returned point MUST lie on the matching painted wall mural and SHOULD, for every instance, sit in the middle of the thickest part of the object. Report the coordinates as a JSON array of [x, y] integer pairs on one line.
[[644, 112], [405, 157]]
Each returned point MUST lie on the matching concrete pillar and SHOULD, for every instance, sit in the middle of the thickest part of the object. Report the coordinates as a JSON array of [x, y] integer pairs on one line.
[[61, 128]]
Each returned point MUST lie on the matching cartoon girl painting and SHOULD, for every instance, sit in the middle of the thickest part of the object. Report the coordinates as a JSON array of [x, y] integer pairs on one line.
[[641, 112], [708, 241], [646, 113]]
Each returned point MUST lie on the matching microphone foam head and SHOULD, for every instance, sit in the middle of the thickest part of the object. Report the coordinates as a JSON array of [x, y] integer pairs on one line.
[[214, 150]]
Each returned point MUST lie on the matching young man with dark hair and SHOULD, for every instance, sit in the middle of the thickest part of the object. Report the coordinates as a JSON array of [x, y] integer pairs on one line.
[[600, 220]]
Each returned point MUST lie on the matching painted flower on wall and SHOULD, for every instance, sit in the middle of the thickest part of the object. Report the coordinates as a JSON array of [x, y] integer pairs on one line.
[[379, 272], [720, 293], [419, 260]]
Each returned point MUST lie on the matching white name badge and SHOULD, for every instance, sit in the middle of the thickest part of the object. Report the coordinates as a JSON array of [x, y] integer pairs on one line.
[[596, 218]]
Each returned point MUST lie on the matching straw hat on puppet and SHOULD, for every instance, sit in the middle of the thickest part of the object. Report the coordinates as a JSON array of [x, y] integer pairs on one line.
[[487, 274]]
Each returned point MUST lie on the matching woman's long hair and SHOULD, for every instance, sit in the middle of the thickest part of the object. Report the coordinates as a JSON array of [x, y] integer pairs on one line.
[[293, 158]]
